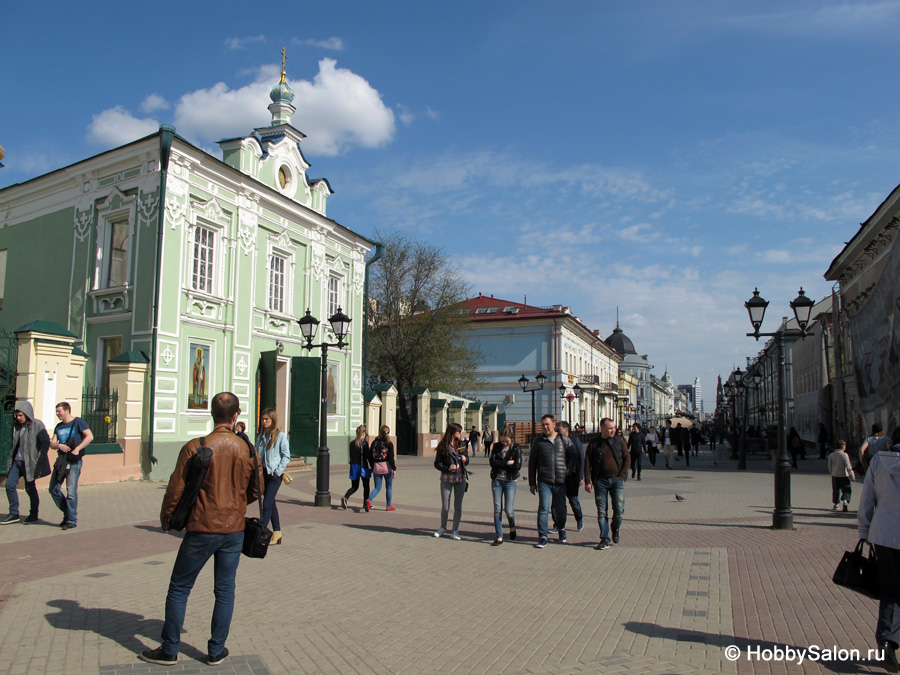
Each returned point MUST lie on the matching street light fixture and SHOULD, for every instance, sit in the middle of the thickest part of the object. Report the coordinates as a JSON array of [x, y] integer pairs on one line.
[[523, 382], [782, 517], [340, 325]]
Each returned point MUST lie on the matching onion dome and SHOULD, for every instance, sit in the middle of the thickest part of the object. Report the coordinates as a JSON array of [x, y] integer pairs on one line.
[[620, 342]]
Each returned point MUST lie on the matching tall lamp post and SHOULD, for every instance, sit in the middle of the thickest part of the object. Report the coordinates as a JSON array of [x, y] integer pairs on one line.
[[782, 517], [340, 324], [569, 397], [523, 382], [751, 380], [738, 379]]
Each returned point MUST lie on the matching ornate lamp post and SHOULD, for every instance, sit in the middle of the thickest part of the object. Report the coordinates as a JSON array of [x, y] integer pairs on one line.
[[340, 324], [782, 517], [523, 382]]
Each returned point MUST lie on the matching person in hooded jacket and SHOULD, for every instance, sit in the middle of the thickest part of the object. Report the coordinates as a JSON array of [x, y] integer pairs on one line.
[[28, 460], [878, 521]]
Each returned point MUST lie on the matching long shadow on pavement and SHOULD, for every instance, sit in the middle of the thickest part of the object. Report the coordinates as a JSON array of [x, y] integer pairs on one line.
[[113, 624], [653, 630]]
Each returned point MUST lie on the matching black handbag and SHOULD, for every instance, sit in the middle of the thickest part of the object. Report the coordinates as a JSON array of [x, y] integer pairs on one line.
[[858, 572], [256, 535]]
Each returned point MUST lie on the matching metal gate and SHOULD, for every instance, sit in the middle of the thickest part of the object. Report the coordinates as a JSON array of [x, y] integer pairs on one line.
[[8, 372]]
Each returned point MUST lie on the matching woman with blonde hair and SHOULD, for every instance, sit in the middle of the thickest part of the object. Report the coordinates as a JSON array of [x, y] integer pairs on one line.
[[359, 468], [452, 465], [274, 454], [384, 468]]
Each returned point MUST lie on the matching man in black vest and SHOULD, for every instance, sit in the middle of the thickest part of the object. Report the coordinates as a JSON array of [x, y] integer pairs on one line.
[[606, 466]]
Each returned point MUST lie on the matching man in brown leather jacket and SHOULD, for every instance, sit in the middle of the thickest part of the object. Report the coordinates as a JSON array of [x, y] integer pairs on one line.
[[214, 528]]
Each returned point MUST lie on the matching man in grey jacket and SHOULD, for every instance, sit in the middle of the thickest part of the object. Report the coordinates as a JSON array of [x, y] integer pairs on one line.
[[547, 476], [28, 460]]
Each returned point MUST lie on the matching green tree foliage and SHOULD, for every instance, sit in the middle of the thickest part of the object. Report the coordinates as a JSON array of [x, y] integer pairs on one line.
[[413, 337]]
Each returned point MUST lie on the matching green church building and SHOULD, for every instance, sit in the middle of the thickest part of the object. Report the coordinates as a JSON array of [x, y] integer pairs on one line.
[[169, 275]]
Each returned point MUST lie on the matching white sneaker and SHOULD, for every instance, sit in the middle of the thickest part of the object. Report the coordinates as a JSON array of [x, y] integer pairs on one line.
[[835, 507], [455, 536], [440, 531]]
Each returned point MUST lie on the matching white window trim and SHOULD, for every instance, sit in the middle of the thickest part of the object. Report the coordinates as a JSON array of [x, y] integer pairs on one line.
[[105, 221], [218, 260], [341, 294], [282, 246]]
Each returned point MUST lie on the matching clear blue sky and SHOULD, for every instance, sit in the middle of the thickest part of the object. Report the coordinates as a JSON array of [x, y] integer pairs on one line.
[[663, 157]]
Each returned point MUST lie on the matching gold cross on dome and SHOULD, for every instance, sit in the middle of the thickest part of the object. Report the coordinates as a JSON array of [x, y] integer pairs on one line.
[[283, 58]]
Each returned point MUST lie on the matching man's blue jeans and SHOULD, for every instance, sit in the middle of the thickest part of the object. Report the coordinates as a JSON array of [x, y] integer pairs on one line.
[[389, 487], [614, 490], [551, 496], [16, 471], [504, 500], [196, 548], [68, 504]]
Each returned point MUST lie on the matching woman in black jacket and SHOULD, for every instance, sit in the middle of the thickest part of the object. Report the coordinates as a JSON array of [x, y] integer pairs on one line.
[[452, 465], [359, 467], [506, 460], [636, 449]]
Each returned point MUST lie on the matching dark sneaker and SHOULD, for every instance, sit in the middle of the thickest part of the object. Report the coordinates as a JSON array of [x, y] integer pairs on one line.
[[31, 519], [580, 525], [888, 659], [344, 503], [69, 526], [602, 546], [542, 542], [615, 536], [496, 542], [512, 534], [218, 658], [159, 657], [562, 537], [11, 518], [552, 530], [63, 523], [845, 509]]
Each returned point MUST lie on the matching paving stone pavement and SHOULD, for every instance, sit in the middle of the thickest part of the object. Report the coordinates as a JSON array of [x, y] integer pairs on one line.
[[351, 592]]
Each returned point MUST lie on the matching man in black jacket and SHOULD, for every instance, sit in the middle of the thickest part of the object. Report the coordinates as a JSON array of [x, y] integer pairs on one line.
[[605, 469], [547, 475]]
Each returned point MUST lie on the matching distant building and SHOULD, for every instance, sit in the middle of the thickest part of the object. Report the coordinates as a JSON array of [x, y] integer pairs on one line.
[[519, 340], [649, 407]]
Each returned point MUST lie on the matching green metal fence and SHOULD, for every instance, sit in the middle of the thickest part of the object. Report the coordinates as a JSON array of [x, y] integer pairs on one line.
[[98, 408]]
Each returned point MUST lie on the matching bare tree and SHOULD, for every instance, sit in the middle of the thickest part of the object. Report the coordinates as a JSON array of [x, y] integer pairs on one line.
[[413, 341]]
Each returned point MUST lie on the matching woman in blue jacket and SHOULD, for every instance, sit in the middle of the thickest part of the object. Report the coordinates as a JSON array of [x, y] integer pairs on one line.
[[274, 453]]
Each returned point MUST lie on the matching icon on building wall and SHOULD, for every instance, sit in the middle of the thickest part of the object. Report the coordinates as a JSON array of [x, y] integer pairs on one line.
[[198, 399], [330, 390]]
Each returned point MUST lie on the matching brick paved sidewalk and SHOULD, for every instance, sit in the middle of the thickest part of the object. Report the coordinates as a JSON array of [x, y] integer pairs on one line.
[[376, 593]]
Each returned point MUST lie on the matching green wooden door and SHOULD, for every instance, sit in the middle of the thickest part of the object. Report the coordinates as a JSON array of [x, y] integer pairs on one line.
[[306, 376], [267, 381]]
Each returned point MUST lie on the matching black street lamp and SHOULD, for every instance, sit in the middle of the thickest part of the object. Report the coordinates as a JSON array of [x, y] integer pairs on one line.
[[340, 324], [523, 382], [782, 517]]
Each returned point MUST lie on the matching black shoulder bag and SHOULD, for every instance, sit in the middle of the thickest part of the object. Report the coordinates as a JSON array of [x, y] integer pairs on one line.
[[256, 535], [194, 474]]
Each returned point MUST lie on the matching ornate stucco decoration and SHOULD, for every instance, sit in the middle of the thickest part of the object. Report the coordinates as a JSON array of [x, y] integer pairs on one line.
[[317, 248], [175, 212], [83, 222], [204, 307], [167, 355], [241, 365], [147, 207], [359, 276], [210, 210]]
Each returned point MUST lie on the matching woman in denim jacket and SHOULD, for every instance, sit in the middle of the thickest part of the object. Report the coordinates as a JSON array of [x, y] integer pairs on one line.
[[274, 453], [506, 460]]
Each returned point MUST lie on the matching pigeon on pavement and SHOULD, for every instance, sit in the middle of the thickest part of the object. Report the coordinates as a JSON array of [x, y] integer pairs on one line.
[[679, 498]]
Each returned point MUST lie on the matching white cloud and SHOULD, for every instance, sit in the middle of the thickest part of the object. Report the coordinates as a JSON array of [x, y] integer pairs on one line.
[[242, 42], [405, 114], [776, 256], [432, 114], [337, 111], [640, 233], [737, 250], [333, 43], [117, 126], [154, 102]]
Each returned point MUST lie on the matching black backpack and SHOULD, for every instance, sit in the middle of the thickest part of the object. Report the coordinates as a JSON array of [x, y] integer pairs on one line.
[[379, 450], [194, 474]]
